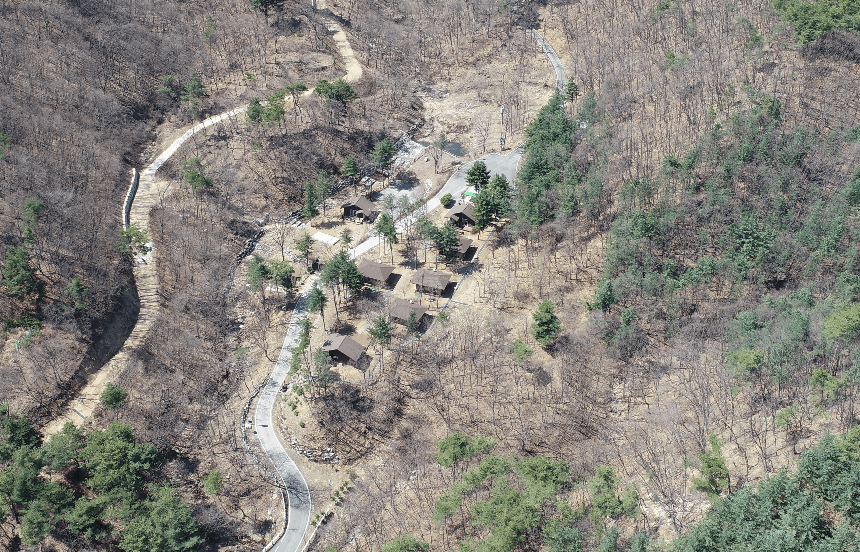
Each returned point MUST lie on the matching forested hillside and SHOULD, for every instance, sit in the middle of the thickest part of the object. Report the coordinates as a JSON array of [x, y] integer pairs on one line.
[[89, 91], [689, 206], [652, 347], [111, 486], [80, 86]]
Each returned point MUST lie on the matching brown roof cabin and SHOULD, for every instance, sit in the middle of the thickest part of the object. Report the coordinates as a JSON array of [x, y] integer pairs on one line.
[[343, 348], [400, 309], [429, 281], [465, 244], [377, 273], [462, 214], [361, 207]]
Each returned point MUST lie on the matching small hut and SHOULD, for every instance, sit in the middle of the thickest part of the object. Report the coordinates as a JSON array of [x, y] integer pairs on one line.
[[375, 273], [430, 281], [360, 207], [463, 248], [399, 310], [343, 348], [462, 215]]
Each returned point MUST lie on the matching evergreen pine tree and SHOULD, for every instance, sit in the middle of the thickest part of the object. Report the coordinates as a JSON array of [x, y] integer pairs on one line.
[[309, 209], [478, 175], [546, 326], [305, 246]]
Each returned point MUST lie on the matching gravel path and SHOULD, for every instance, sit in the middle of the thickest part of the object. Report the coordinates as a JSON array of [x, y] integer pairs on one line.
[[146, 280]]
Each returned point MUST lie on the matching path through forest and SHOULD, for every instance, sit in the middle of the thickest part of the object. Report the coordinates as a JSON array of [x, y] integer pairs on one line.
[[149, 192], [151, 189], [560, 79], [298, 493]]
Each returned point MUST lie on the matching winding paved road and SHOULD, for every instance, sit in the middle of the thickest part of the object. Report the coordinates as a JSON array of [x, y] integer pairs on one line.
[[150, 189], [148, 194], [560, 79], [299, 496], [298, 493]]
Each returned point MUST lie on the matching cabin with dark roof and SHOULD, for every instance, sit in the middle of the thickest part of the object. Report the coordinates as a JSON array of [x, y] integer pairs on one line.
[[375, 273], [430, 281], [463, 247], [343, 348], [399, 310], [462, 215], [360, 207]]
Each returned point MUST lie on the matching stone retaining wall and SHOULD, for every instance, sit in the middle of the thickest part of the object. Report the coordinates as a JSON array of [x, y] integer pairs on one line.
[[129, 198]]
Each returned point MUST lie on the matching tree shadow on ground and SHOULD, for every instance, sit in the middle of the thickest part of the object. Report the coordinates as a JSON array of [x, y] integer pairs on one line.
[[456, 149], [328, 224], [343, 328], [372, 294], [363, 363]]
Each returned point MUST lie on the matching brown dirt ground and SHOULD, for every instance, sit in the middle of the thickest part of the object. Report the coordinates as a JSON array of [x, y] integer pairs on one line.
[[473, 94], [469, 297], [455, 111]]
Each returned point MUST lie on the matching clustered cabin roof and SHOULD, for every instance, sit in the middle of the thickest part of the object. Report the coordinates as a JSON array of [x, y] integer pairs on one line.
[[375, 271], [400, 309], [365, 207], [465, 244], [462, 212], [431, 279], [345, 345]]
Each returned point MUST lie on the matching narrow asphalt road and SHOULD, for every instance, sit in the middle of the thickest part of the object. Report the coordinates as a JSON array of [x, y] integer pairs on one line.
[[298, 493], [456, 185], [560, 79], [299, 496]]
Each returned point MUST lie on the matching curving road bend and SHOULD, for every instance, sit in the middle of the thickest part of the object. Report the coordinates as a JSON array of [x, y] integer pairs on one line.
[[150, 189], [298, 493], [560, 79]]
